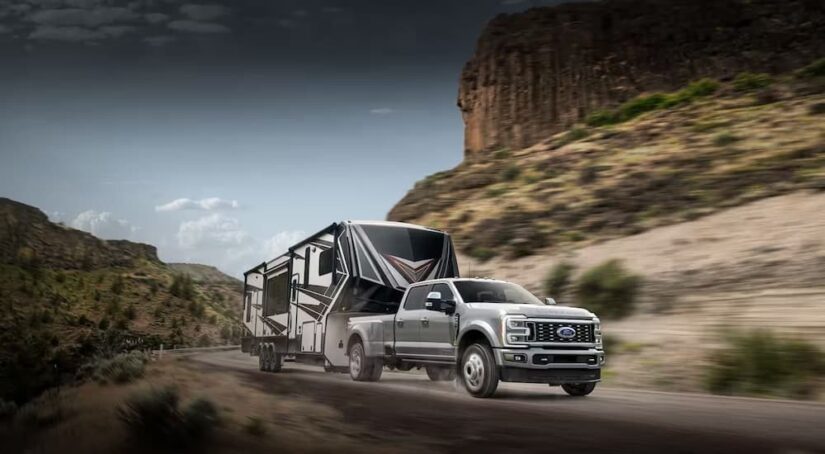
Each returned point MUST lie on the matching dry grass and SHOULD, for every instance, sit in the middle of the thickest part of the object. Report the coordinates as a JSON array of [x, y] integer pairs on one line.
[[250, 419]]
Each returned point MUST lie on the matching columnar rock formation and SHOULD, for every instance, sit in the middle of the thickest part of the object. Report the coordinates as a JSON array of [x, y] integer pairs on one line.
[[539, 72]]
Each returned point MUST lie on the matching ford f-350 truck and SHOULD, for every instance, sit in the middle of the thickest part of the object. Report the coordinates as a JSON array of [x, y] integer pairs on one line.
[[480, 331]]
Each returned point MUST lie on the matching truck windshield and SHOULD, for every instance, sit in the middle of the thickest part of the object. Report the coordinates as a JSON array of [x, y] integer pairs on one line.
[[494, 292]]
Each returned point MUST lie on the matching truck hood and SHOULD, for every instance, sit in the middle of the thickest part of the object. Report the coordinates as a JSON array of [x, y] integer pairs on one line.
[[534, 311]]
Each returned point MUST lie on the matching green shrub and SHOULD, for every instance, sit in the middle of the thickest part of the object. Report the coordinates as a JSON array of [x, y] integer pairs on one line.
[[760, 363], [724, 139], [200, 417], [511, 172], [602, 118], [608, 290], [641, 104], [153, 417], [749, 81], [695, 90], [817, 109], [255, 426], [182, 286], [504, 153], [122, 368], [46, 410], [482, 253], [117, 285], [558, 279], [815, 69], [573, 135], [7, 409]]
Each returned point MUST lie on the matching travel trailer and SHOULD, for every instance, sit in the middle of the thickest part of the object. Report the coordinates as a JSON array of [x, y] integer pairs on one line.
[[298, 305]]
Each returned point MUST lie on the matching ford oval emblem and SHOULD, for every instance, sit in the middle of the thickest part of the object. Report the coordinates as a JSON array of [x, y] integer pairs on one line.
[[566, 332]]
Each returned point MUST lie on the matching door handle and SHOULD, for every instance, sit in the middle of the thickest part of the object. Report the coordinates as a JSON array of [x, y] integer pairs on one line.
[[399, 321], [425, 321]]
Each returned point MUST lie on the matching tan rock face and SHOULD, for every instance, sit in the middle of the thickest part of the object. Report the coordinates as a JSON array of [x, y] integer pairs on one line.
[[536, 73]]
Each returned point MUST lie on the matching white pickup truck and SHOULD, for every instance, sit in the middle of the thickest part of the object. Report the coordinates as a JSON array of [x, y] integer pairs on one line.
[[480, 331]]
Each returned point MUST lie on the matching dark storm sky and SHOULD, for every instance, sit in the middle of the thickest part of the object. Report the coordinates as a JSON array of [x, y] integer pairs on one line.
[[223, 131]]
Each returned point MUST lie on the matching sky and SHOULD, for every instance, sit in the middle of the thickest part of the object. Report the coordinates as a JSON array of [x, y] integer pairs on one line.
[[223, 132]]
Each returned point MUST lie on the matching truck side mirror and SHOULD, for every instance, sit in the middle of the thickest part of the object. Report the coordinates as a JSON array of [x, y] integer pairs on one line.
[[433, 301], [549, 301], [448, 307]]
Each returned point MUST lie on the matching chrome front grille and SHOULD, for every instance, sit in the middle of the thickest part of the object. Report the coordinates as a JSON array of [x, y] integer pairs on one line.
[[548, 332]]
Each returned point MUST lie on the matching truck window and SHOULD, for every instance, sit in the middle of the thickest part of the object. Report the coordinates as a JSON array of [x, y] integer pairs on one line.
[[446, 293], [495, 292], [416, 298]]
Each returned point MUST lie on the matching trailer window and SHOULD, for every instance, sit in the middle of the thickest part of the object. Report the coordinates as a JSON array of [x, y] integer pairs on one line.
[[325, 262], [277, 295], [409, 244]]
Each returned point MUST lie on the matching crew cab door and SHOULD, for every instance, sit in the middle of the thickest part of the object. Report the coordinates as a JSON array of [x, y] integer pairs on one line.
[[437, 333], [408, 320]]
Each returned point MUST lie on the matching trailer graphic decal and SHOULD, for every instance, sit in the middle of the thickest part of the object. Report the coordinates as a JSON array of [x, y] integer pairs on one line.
[[412, 271]]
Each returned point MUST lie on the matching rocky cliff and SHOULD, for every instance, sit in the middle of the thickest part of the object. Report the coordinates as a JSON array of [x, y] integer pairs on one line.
[[538, 72]]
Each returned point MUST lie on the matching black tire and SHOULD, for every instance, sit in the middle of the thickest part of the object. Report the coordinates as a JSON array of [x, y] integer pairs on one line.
[[478, 370], [276, 360], [262, 360], [361, 367], [578, 389], [440, 373]]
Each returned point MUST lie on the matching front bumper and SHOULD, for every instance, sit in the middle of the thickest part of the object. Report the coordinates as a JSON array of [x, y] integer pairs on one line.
[[546, 365]]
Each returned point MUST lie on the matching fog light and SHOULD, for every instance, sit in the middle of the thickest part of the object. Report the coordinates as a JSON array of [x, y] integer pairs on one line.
[[515, 357]]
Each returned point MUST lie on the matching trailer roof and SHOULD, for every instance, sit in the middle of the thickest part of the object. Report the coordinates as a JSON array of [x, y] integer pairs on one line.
[[394, 224]]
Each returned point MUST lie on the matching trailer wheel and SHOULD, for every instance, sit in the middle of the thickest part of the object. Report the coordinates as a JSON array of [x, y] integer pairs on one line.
[[262, 359], [361, 367], [276, 360], [578, 389], [478, 370], [440, 373]]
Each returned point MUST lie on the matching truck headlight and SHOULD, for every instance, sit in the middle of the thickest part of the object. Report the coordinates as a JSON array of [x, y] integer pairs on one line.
[[515, 330], [597, 333]]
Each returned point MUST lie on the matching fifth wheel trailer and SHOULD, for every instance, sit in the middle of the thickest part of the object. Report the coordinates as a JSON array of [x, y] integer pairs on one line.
[[298, 304]]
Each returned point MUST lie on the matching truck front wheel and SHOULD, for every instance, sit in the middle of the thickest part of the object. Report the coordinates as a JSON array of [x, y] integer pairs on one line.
[[440, 373], [578, 389], [362, 367], [478, 370]]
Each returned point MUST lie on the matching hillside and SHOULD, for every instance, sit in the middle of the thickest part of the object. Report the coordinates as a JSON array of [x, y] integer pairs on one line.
[[66, 296], [685, 144]]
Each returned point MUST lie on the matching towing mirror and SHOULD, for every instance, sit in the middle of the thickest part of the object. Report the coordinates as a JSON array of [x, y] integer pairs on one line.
[[433, 301], [448, 306], [549, 301]]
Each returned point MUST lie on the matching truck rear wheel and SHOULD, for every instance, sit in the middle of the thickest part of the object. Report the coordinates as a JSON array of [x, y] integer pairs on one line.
[[478, 370], [578, 389], [362, 367], [440, 373]]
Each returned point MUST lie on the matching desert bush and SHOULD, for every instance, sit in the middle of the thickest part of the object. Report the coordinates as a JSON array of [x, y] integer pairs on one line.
[[481, 253], [511, 172], [182, 286], [641, 104], [130, 312], [7, 409], [573, 135], [602, 117], [504, 153], [749, 81], [255, 426], [117, 285], [815, 69], [724, 139], [204, 341], [122, 368], [153, 417], [608, 289], [559, 279], [760, 363], [817, 109], [45, 410]]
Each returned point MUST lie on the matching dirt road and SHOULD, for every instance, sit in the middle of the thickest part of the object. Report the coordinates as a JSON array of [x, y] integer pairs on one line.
[[534, 417]]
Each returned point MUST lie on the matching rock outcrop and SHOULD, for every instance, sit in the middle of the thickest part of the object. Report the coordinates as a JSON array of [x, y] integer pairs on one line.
[[538, 72]]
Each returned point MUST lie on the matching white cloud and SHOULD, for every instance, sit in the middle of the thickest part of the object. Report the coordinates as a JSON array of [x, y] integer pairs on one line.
[[213, 231], [280, 242], [159, 41], [103, 225], [156, 18], [204, 13], [207, 204], [197, 27], [382, 111], [83, 17], [69, 34]]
